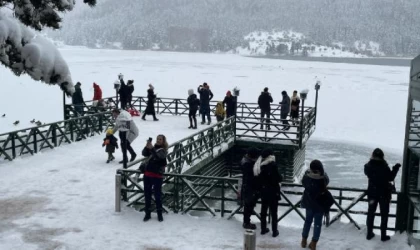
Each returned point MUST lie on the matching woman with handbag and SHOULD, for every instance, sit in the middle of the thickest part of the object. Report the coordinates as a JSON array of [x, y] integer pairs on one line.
[[379, 191], [153, 174], [315, 182]]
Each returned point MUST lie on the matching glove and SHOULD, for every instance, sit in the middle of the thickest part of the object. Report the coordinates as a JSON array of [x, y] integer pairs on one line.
[[103, 145], [397, 166]]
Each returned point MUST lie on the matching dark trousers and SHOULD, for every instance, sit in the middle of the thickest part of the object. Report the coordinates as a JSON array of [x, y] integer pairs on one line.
[[205, 111], [191, 115], [110, 156], [265, 113], [249, 204], [283, 117], [125, 145], [155, 185], [123, 104], [384, 207], [272, 205], [79, 109]]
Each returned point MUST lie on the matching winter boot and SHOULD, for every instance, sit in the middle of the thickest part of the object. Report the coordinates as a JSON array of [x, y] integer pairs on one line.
[[209, 122], [147, 217], [160, 217], [203, 122], [276, 233], [304, 243], [190, 127], [108, 161], [249, 226], [264, 231], [385, 238], [133, 157], [370, 235], [312, 245]]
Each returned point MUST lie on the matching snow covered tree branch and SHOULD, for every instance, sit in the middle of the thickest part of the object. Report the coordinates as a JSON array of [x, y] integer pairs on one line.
[[23, 51]]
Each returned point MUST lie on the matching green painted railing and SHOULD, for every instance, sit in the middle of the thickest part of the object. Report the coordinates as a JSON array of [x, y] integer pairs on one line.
[[35, 139], [219, 195]]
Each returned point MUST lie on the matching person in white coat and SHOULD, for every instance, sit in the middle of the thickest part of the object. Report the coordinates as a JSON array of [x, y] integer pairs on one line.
[[128, 132]]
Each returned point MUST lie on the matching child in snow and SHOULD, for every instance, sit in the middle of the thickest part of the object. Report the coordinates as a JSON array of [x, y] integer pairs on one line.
[[220, 112], [111, 143]]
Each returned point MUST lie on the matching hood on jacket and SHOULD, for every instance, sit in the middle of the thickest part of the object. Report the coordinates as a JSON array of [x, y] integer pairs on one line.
[[95, 86]]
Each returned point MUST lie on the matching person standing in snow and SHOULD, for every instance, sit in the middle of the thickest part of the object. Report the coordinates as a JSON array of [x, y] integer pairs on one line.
[[315, 182], [150, 108], [205, 97], [284, 110], [268, 176], [379, 191], [97, 94], [130, 90], [153, 174], [128, 132], [77, 99], [229, 101], [123, 92], [264, 101], [294, 108], [193, 104], [110, 143], [250, 187], [220, 112]]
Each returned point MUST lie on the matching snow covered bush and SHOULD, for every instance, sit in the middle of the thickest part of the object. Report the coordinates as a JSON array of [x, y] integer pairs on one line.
[[25, 51]]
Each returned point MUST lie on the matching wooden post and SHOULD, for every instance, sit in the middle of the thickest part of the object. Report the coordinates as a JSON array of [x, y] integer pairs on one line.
[[117, 193]]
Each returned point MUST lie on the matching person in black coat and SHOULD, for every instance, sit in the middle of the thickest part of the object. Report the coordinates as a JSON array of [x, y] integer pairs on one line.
[[315, 182], [264, 101], [153, 174], [229, 102], [150, 108], [249, 189], [130, 90], [205, 97], [379, 191], [193, 104], [77, 99], [123, 92], [294, 107], [269, 179], [284, 110]]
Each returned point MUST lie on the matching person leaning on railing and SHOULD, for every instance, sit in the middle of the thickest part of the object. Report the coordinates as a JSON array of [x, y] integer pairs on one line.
[[153, 174], [379, 191], [315, 182]]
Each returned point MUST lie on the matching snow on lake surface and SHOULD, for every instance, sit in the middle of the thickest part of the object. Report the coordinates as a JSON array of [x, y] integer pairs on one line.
[[64, 198]]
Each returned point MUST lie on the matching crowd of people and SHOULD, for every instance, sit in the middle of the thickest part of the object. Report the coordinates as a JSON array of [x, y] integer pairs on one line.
[[260, 177], [261, 180]]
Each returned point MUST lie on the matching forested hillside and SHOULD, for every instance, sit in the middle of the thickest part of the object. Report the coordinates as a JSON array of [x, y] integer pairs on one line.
[[221, 25]]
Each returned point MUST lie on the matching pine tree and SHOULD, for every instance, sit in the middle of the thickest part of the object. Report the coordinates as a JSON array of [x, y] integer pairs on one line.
[[22, 51]]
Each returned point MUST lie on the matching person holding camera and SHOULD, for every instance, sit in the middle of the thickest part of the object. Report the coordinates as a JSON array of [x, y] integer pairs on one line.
[[205, 97], [153, 174], [380, 189], [123, 92]]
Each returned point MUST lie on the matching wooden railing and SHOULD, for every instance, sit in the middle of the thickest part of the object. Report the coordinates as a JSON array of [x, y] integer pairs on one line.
[[248, 119], [219, 195], [35, 139]]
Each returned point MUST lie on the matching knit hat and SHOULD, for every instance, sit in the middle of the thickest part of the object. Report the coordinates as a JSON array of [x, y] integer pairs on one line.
[[284, 92], [109, 131], [266, 152], [253, 152], [78, 84], [316, 165], [190, 91]]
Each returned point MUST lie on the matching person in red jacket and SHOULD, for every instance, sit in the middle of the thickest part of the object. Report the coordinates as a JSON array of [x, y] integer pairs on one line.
[[97, 94]]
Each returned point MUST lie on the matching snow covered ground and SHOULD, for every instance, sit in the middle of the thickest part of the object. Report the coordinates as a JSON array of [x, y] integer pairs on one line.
[[64, 199]]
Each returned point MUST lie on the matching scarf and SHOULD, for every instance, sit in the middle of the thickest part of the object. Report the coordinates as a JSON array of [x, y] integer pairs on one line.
[[259, 163]]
